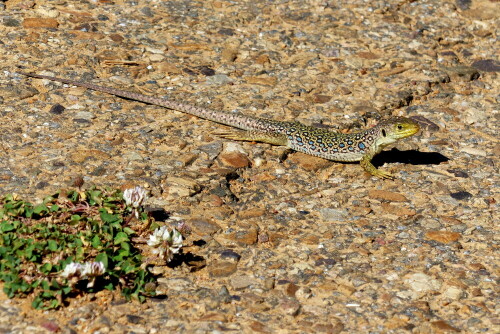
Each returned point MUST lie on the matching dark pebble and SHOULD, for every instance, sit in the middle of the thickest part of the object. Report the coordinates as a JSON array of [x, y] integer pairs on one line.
[[119, 302], [57, 109], [466, 53], [487, 65], [230, 254], [41, 185], [461, 195], [99, 171], [325, 262], [134, 319], [81, 121], [10, 22], [188, 71], [207, 71], [449, 53], [226, 31], [224, 294], [147, 11], [220, 191], [458, 173], [444, 95], [463, 4]]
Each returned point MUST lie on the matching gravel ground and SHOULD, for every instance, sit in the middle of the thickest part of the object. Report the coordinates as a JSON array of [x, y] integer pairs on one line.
[[291, 243]]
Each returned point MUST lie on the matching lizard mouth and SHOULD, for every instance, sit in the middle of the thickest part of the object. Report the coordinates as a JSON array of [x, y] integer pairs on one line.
[[406, 130], [412, 130]]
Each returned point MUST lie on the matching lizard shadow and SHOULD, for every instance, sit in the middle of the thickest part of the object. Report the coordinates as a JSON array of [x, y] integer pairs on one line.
[[412, 157]]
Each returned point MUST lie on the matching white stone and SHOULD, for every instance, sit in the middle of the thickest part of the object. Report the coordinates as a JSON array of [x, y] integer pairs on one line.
[[420, 282], [454, 293]]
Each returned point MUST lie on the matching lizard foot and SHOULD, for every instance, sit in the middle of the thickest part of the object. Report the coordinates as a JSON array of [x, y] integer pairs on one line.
[[381, 174]]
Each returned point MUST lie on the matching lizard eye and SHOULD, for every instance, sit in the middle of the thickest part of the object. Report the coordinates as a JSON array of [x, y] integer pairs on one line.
[[383, 133], [400, 127]]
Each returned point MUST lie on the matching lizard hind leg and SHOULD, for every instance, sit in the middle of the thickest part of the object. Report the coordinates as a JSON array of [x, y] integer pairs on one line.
[[251, 135]]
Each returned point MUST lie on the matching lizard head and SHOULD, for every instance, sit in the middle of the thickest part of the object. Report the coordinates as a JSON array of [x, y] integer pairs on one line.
[[394, 129]]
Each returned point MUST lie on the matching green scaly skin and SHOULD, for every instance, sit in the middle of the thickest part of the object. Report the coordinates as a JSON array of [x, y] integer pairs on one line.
[[358, 146]]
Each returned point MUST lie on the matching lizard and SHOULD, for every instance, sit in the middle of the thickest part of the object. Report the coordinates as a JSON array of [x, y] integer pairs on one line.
[[359, 146]]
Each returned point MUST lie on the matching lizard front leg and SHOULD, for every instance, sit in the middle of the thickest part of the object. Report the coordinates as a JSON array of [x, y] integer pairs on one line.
[[368, 166]]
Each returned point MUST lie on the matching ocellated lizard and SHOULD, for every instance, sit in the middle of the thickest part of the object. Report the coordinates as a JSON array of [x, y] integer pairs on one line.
[[358, 146]]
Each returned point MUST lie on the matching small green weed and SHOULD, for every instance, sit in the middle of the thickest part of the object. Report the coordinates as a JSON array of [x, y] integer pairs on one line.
[[37, 243]]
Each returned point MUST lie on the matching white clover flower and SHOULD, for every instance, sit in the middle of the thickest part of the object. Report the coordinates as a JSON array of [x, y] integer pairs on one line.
[[166, 243], [72, 269], [92, 269], [88, 270], [135, 196], [176, 240]]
